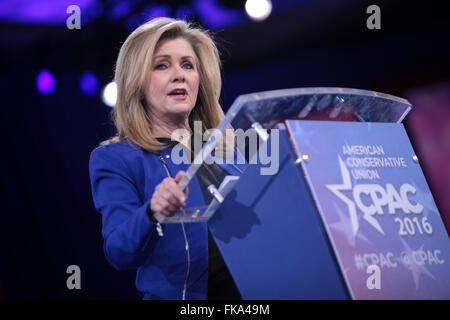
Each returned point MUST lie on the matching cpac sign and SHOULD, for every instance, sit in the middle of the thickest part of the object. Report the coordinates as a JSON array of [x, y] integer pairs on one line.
[[372, 198]]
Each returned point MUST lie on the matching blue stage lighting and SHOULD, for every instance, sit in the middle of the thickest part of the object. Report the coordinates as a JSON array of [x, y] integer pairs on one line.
[[89, 83], [216, 16], [48, 12], [150, 12], [184, 12], [155, 11], [45, 82], [119, 10]]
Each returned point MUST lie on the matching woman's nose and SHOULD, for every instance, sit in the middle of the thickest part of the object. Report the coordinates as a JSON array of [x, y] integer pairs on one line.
[[178, 74]]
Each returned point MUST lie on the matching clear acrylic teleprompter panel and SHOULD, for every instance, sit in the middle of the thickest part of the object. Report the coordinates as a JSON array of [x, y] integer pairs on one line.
[[256, 113]]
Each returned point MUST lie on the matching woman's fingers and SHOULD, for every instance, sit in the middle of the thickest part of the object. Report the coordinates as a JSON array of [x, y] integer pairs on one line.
[[168, 197], [172, 192], [178, 178], [164, 207], [159, 204]]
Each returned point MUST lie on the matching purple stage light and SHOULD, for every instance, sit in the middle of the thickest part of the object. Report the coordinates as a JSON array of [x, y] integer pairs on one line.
[[45, 82], [215, 16], [88, 83], [133, 22], [120, 10], [184, 12], [155, 11], [150, 12], [48, 12]]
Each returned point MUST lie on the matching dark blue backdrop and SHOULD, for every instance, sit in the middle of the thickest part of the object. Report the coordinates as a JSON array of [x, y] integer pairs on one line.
[[47, 219]]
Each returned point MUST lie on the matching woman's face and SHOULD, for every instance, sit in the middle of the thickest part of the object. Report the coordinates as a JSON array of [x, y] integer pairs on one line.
[[173, 81]]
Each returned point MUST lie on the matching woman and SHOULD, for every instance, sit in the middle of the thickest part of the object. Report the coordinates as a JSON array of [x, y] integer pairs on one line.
[[167, 76]]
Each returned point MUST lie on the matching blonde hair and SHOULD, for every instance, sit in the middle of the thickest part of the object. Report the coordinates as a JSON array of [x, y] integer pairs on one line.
[[133, 66]]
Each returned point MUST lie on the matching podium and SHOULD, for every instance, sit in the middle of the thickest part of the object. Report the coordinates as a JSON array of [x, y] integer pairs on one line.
[[329, 200]]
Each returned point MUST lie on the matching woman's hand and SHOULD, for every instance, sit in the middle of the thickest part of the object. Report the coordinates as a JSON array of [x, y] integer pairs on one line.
[[168, 197]]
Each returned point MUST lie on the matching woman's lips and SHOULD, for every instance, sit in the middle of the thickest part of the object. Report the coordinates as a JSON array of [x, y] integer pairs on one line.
[[179, 92]]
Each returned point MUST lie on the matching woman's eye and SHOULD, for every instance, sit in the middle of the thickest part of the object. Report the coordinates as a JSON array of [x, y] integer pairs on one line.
[[160, 66], [188, 65]]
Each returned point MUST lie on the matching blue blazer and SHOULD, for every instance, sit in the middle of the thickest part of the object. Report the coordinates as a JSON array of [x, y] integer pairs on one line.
[[123, 179]]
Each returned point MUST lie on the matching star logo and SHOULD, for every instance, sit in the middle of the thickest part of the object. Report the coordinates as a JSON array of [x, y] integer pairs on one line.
[[346, 185], [416, 268], [343, 227]]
